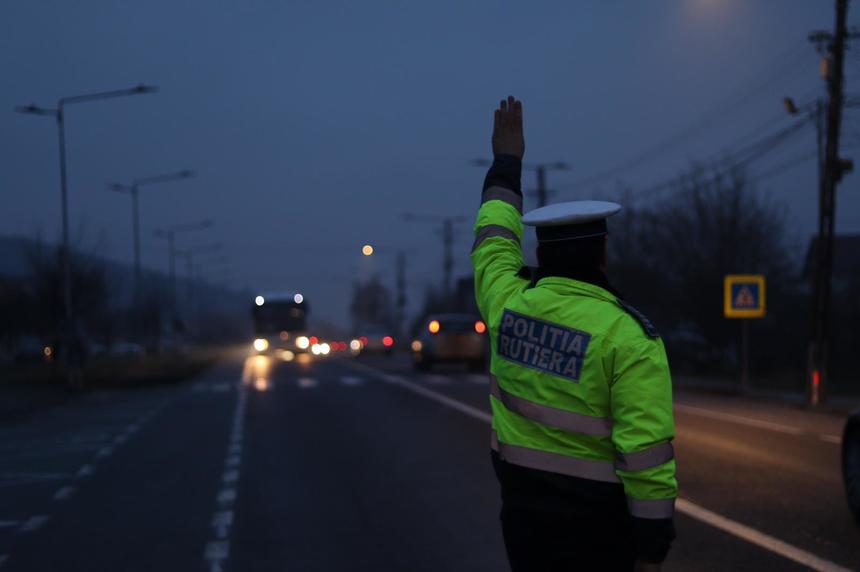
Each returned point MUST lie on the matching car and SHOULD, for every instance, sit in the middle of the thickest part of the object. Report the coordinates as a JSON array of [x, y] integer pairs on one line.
[[377, 340], [851, 463], [451, 338]]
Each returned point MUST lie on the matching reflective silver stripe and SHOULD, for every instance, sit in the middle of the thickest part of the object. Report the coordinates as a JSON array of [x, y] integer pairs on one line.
[[559, 418], [504, 195], [657, 508], [555, 462], [493, 230], [645, 459]]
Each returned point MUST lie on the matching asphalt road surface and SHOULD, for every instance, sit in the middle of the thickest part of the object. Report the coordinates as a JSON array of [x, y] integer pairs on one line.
[[343, 464]]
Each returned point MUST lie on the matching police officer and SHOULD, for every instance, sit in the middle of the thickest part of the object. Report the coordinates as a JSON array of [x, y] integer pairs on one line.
[[580, 389]]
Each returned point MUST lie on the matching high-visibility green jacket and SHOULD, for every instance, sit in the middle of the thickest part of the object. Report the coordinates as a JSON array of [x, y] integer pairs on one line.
[[580, 380]]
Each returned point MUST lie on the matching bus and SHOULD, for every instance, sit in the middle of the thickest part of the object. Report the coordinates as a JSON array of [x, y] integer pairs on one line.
[[280, 323]]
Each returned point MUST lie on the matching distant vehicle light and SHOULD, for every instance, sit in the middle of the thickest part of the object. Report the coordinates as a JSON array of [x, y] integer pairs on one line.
[[355, 345], [363, 340], [417, 345], [434, 326], [302, 342], [388, 341], [314, 340], [315, 349], [48, 351], [325, 349], [261, 344], [367, 250], [287, 355], [480, 327], [259, 300], [298, 298], [285, 335], [261, 384]]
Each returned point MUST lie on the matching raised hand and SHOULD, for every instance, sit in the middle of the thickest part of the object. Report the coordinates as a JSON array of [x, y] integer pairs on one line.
[[508, 128]]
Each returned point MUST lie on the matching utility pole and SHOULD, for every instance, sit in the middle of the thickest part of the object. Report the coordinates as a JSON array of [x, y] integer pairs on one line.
[[401, 291], [133, 190], [540, 169], [447, 245], [170, 235], [832, 48], [541, 192]]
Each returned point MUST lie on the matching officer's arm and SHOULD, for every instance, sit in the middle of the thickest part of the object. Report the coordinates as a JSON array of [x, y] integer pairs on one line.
[[642, 433], [496, 255]]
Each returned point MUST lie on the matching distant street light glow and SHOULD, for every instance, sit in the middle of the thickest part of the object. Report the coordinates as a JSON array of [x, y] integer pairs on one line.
[[298, 298], [367, 250], [259, 300]]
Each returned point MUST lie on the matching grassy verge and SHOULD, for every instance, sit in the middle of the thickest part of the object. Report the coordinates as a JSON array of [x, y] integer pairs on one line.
[[116, 371]]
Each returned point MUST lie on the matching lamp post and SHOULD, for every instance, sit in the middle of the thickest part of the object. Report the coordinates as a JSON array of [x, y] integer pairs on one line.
[[169, 234], [58, 113], [132, 190]]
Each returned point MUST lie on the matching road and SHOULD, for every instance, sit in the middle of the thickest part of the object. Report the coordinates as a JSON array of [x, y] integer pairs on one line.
[[344, 464]]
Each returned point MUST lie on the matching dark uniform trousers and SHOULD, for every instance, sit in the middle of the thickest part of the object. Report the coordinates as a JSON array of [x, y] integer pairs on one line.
[[554, 522]]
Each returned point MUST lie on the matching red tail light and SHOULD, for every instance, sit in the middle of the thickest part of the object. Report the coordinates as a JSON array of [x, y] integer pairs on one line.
[[388, 341], [480, 327]]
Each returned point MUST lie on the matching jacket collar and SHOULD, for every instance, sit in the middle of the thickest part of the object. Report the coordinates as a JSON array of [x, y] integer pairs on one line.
[[591, 280]]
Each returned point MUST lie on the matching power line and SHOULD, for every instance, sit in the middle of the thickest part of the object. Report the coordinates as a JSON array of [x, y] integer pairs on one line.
[[718, 112], [742, 157]]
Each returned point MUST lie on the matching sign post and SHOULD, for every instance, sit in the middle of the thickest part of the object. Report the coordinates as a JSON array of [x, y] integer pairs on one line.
[[744, 298]]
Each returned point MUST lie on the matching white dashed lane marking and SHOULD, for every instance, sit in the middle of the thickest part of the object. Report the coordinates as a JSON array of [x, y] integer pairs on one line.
[[221, 522], [351, 381], [307, 382], [217, 551], [85, 471], [226, 496], [34, 523], [9, 523], [64, 493]]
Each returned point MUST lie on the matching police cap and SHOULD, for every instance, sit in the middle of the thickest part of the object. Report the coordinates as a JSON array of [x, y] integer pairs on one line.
[[570, 220]]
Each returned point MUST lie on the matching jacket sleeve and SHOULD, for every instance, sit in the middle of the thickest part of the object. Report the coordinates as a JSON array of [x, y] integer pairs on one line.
[[642, 431], [496, 254]]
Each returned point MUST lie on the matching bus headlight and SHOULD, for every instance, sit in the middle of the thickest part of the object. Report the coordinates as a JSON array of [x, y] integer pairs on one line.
[[261, 344]]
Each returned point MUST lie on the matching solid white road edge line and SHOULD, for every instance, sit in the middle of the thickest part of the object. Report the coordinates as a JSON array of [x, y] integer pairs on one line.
[[741, 420], [756, 537], [682, 505]]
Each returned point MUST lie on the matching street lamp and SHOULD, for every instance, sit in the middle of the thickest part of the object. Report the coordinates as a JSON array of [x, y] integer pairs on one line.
[[132, 189], [541, 169], [367, 250], [58, 114], [169, 233]]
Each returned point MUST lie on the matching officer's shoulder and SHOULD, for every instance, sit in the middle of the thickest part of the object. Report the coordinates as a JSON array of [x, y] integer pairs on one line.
[[645, 324]]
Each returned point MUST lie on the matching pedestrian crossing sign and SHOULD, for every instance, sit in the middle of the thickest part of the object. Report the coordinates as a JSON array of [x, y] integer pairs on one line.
[[744, 296]]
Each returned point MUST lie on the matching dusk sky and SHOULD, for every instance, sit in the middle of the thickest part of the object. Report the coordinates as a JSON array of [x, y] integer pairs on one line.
[[314, 126]]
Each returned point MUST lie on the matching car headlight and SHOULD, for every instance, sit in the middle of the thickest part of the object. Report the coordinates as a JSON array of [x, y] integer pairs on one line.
[[302, 342], [261, 344]]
